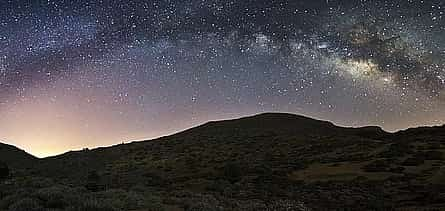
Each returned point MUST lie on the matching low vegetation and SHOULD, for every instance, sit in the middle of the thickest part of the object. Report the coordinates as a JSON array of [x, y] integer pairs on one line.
[[266, 162], [4, 171]]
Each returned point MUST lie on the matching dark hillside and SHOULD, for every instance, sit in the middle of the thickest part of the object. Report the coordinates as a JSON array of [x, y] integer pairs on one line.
[[265, 162], [15, 157]]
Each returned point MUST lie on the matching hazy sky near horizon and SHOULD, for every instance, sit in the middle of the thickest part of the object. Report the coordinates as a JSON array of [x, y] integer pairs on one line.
[[88, 73]]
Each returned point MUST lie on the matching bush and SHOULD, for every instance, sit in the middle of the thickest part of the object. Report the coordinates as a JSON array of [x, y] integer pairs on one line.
[[58, 196], [121, 199], [153, 203], [129, 200], [397, 170], [232, 172], [433, 155], [284, 205], [26, 204], [64, 198], [4, 171], [92, 205], [377, 166], [202, 203], [414, 161], [93, 181], [397, 150]]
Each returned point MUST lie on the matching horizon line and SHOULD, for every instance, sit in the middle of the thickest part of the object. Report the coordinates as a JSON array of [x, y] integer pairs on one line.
[[222, 120]]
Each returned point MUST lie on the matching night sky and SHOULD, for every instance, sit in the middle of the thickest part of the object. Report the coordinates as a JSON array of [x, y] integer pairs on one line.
[[86, 73]]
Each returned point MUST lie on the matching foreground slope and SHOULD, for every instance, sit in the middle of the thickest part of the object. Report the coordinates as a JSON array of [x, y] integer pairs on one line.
[[265, 162]]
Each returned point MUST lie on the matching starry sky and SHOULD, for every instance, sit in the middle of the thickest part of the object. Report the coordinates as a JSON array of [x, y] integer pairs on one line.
[[87, 73]]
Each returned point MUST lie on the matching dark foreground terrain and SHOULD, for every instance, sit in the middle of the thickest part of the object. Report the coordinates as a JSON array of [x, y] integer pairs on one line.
[[264, 162]]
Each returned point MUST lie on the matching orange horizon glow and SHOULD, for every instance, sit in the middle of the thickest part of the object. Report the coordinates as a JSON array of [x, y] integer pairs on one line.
[[49, 129]]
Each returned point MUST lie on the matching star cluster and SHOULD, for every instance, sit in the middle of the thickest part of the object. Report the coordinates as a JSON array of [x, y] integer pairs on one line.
[[88, 73]]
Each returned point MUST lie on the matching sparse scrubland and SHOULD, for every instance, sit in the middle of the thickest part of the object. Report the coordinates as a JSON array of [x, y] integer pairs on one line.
[[265, 162]]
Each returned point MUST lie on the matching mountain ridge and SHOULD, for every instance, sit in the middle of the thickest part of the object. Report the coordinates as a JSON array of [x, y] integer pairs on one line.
[[15, 156], [249, 164], [258, 117]]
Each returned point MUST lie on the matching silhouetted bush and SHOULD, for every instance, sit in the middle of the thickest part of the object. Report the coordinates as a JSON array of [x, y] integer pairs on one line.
[[283, 205], [397, 150], [376, 166], [153, 179], [232, 172], [398, 169], [202, 202], [26, 204], [4, 171], [93, 181], [433, 155], [58, 197], [414, 161], [91, 205]]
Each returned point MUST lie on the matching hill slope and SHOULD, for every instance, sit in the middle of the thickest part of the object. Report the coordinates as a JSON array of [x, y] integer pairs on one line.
[[16, 157], [267, 162]]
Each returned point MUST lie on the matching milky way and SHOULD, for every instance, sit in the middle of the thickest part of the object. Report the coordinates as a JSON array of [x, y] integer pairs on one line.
[[86, 73]]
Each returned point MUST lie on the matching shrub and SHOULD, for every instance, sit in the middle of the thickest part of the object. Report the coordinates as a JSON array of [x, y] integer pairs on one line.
[[376, 166], [414, 161], [122, 199], [153, 203], [433, 155], [58, 196], [4, 171], [37, 182], [26, 204], [93, 181], [284, 205], [398, 169], [202, 203], [91, 205], [232, 172], [397, 150]]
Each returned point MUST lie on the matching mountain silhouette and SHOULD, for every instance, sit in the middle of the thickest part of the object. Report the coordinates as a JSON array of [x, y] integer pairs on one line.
[[16, 157], [271, 161]]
